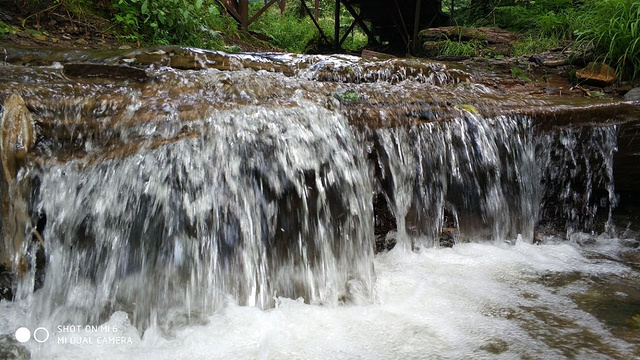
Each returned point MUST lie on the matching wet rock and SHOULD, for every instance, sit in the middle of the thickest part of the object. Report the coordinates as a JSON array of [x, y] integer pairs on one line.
[[81, 42], [17, 138], [374, 55], [550, 59], [11, 349], [115, 72], [6, 281], [384, 243], [632, 95], [186, 62], [626, 171], [597, 74], [433, 48], [17, 134], [448, 237], [583, 239]]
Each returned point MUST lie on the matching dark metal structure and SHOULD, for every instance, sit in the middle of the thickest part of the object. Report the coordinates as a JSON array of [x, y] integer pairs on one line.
[[391, 25]]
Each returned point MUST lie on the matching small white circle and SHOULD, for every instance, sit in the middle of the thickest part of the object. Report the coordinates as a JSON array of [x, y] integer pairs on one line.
[[40, 329], [23, 334]]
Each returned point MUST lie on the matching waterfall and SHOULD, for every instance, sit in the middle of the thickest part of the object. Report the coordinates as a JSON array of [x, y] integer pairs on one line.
[[267, 202], [171, 199], [483, 170]]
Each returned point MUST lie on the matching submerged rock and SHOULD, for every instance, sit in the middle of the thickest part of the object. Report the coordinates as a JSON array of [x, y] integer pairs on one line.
[[6, 281], [11, 349], [116, 72]]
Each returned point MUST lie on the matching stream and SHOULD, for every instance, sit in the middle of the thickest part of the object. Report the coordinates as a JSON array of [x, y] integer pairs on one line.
[[176, 203]]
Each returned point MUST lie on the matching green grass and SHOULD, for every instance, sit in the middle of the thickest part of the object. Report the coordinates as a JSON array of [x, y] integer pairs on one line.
[[455, 48], [534, 44], [613, 28]]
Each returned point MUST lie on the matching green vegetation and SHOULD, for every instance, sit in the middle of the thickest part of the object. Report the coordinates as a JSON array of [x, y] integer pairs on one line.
[[613, 28], [185, 22], [455, 48], [610, 27], [534, 44], [295, 31], [204, 23], [348, 96], [520, 74], [5, 29]]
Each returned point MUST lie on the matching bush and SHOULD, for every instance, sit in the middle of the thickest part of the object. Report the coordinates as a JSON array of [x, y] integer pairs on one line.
[[183, 22], [286, 31]]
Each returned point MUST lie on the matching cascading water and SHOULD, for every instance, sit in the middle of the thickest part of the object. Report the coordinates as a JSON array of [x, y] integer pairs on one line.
[[266, 202], [175, 208], [576, 166], [483, 170]]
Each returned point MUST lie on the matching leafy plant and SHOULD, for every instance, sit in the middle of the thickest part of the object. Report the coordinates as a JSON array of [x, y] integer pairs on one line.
[[183, 22], [5, 29], [348, 96]]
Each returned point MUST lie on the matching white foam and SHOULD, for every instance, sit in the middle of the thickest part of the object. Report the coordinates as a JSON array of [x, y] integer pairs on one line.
[[438, 303]]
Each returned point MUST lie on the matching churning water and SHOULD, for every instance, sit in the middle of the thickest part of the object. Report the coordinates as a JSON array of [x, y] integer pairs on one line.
[[469, 301], [247, 230]]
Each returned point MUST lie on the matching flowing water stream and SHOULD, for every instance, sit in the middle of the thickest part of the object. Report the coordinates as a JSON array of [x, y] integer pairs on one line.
[[228, 212]]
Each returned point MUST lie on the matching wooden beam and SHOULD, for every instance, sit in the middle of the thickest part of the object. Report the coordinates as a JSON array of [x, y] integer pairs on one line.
[[357, 18], [398, 19], [232, 9], [261, 11], [243, 10], [336, 28], [416, 26], [317, 3], [349, 30], [451, 12], [315, 22]]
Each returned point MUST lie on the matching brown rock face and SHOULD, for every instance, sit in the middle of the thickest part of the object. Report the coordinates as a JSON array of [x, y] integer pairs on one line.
[[459, 33], [17, 134], [598, 74], [17, 138]]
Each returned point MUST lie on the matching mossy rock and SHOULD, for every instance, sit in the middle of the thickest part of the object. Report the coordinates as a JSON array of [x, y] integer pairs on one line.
[[348, 96]]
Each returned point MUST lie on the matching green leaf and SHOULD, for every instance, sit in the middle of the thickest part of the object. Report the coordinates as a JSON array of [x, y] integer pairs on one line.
[[198, 4], [145, 7]]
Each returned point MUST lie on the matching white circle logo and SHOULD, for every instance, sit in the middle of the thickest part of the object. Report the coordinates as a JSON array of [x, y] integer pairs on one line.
[[23, 335], [41, 338]]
